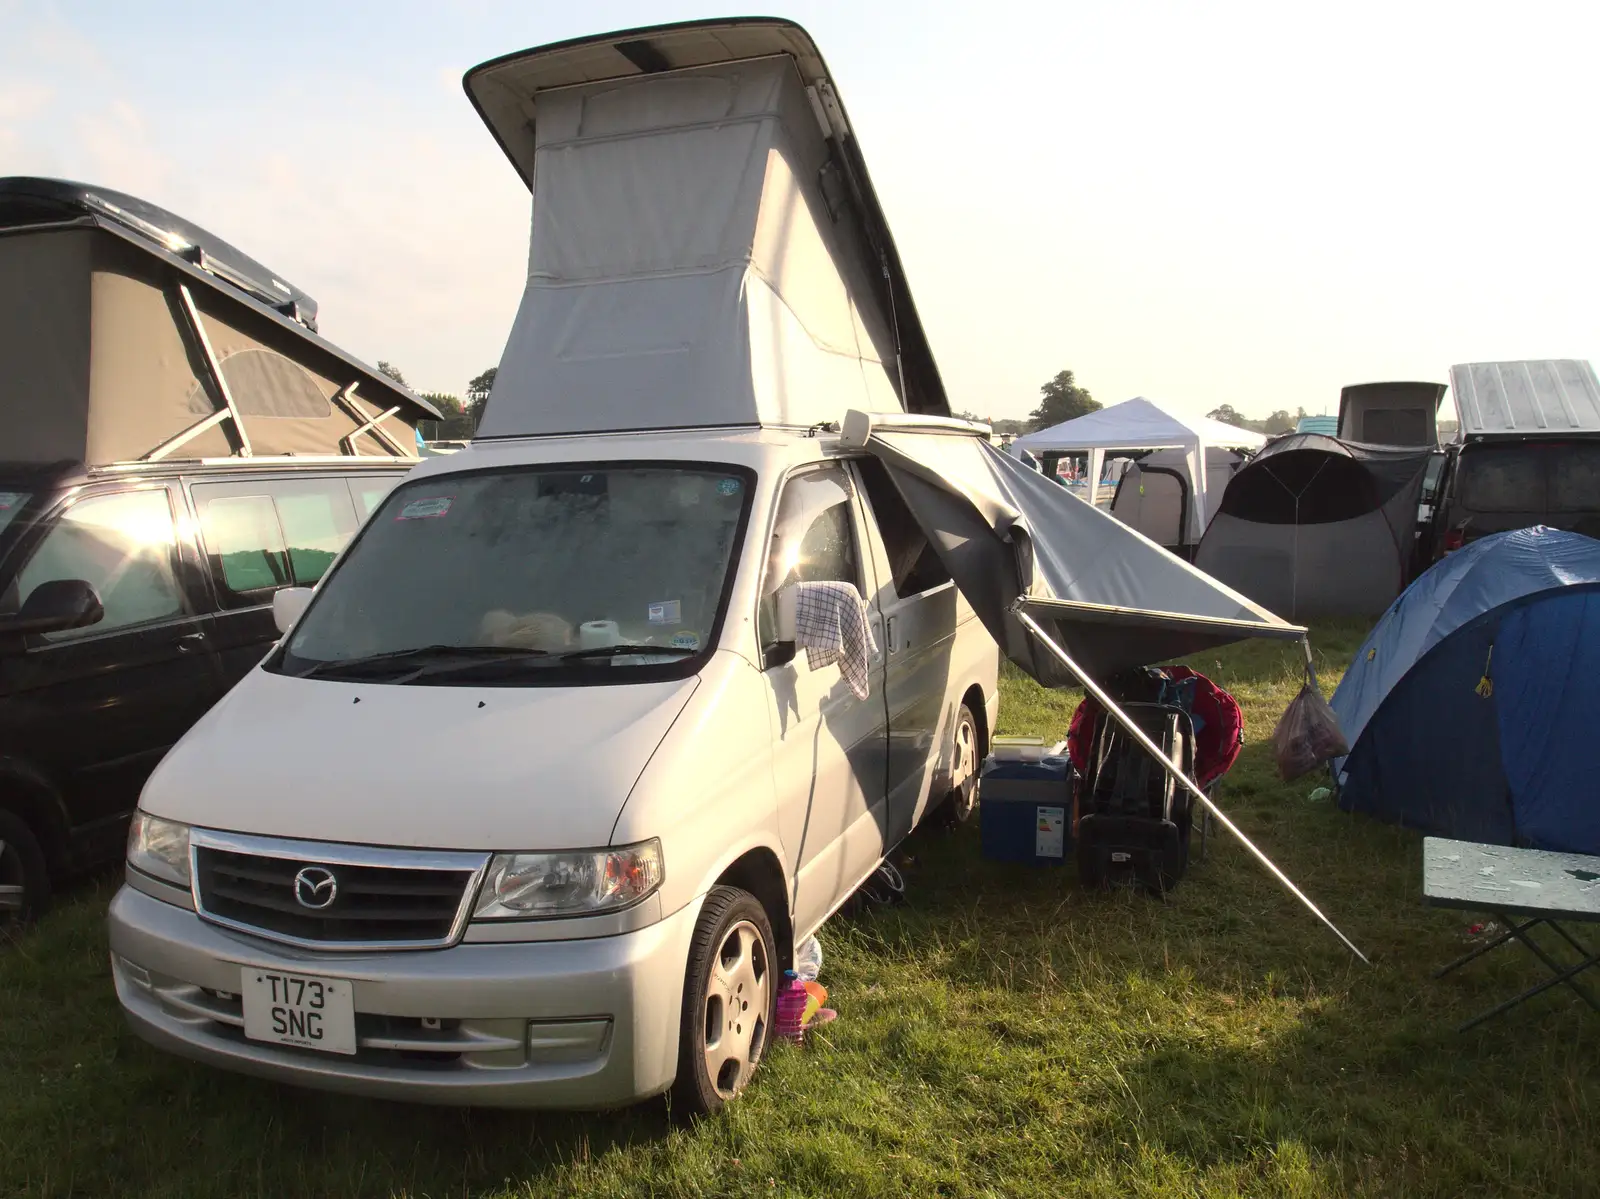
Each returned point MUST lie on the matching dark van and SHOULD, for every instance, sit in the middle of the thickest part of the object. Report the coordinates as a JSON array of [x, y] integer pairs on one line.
[[1495, 485], [180, 445], [1529, 452]]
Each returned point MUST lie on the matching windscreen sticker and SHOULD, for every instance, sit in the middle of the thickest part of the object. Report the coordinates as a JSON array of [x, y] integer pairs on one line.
[[666, 612], [9, 500], [436, 505], [728, 487], [685, 641]]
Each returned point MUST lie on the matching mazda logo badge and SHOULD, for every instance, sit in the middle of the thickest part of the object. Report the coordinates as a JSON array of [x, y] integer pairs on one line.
[[315, 887]]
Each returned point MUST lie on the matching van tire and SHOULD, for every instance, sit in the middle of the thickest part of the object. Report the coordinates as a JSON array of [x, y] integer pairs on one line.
[[732, 960], [24, 873], [965, 763]]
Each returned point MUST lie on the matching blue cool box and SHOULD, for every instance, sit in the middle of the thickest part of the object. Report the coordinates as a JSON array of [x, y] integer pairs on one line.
[[1025, 811]]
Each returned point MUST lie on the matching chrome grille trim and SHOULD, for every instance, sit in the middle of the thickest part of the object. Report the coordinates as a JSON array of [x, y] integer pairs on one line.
[[473, 864]]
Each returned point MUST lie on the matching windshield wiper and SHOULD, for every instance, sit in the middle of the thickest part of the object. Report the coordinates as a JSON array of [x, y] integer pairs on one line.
[[621, 651], [431, 658]]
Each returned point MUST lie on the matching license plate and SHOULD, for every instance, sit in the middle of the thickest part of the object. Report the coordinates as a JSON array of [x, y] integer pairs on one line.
[[296, 1009]]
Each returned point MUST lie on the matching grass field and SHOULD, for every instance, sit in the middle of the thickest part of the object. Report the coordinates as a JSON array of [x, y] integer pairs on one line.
[[1000, 1034]]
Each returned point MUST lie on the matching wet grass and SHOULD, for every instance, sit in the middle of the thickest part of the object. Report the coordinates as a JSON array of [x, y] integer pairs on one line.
[[1003, 1033]]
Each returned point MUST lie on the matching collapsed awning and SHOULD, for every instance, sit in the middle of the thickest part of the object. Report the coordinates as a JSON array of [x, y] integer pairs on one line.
[[1069, 592], [1112, 598]]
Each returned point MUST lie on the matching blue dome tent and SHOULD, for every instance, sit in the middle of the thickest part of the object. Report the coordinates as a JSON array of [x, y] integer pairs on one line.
[[1470, 709]]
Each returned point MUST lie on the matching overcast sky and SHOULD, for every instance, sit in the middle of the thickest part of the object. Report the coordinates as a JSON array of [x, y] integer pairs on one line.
[[1212, 203]]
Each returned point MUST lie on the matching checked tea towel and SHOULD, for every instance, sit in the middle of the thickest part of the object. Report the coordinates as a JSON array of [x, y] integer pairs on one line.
[[831, 622]]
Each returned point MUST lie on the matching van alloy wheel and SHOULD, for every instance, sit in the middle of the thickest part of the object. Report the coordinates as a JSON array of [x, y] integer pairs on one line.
[[12, 890], [24, 876], [964, 766], [729, 998], [737, 1018]]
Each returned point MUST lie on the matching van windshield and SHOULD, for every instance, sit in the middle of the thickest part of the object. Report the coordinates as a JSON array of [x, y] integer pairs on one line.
[[531, 576]]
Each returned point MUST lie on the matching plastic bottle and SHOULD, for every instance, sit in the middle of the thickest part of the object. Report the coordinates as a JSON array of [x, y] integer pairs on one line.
[[808, 960], [792, 998]]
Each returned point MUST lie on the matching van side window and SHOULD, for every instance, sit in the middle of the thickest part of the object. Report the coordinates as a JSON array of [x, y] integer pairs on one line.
[[369, 493], [246, 543], [813, 541], [271, 534], [1575, 478], [1502, 479], [122, 545], [913, 562]]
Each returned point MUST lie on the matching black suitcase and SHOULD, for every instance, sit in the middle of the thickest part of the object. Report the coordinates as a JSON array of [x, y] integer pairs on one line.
[[1131, 820]]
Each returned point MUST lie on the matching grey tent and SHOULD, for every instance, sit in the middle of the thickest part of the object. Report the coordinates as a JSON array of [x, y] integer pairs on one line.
[[1317, 526], [1156, 491], [128, 334]]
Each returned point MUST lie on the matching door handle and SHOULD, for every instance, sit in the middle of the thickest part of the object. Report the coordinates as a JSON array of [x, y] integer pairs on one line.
[[191, 643], [889, 634]]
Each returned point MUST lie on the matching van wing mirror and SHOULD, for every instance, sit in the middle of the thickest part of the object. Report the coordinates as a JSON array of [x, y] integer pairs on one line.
[[287, 606], [53, 607], [790, 637]]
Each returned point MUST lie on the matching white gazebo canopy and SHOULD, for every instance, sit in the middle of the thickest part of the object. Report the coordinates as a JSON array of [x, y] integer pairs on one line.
[[1141, 424]]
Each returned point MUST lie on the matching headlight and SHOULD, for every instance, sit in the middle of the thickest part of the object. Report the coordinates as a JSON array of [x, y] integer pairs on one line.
[[159, 847], [568, 884]]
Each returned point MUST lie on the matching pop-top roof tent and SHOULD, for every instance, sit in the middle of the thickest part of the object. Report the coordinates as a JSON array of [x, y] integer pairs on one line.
[[1317, 526], [1546, 398], [1141, 424], [707, 248], [128, 334], [708, 252], [1391, 413]]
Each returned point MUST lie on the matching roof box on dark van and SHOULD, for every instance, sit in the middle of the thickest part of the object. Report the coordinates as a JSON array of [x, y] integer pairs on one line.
[[1537, 398]]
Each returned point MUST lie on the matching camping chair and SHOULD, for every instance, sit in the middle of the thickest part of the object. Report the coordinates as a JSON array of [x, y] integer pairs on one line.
[[1218, 728], [1130, 818]]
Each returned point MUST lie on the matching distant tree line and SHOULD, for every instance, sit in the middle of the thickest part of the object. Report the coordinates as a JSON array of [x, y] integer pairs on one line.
[[461, 416], [1060, 399], [1281, 421]]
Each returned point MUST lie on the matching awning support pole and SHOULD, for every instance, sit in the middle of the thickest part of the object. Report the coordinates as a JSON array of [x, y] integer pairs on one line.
[[1150, 747]]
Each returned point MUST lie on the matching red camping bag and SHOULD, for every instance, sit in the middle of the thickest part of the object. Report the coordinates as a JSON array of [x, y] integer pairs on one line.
[[1219, 727]]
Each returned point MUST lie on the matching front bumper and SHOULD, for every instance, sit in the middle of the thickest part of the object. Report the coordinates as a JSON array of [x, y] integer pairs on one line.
[[577, 1024]]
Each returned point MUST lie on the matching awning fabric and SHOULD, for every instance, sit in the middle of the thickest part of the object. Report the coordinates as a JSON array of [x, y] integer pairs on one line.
[[1114, 599]]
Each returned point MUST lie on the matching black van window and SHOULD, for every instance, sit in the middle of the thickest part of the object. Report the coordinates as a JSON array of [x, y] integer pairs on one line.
[[369, 493], [1575, 478], [915, 564], [274, 533], [1501, 479], [121, 545], [246, 543], [316, 528]]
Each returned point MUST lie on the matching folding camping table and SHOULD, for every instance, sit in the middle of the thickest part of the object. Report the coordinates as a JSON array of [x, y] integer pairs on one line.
[[1523, 888]]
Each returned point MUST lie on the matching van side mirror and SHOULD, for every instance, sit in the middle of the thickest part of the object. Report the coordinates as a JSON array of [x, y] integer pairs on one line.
[[287, 606], [777, 653], [53, 607], [790, 637]]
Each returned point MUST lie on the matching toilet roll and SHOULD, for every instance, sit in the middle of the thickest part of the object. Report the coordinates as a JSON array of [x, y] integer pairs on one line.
[[594, 634]]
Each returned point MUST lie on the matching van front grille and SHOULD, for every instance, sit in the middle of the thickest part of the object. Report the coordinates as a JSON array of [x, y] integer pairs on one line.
[[333, 902]]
